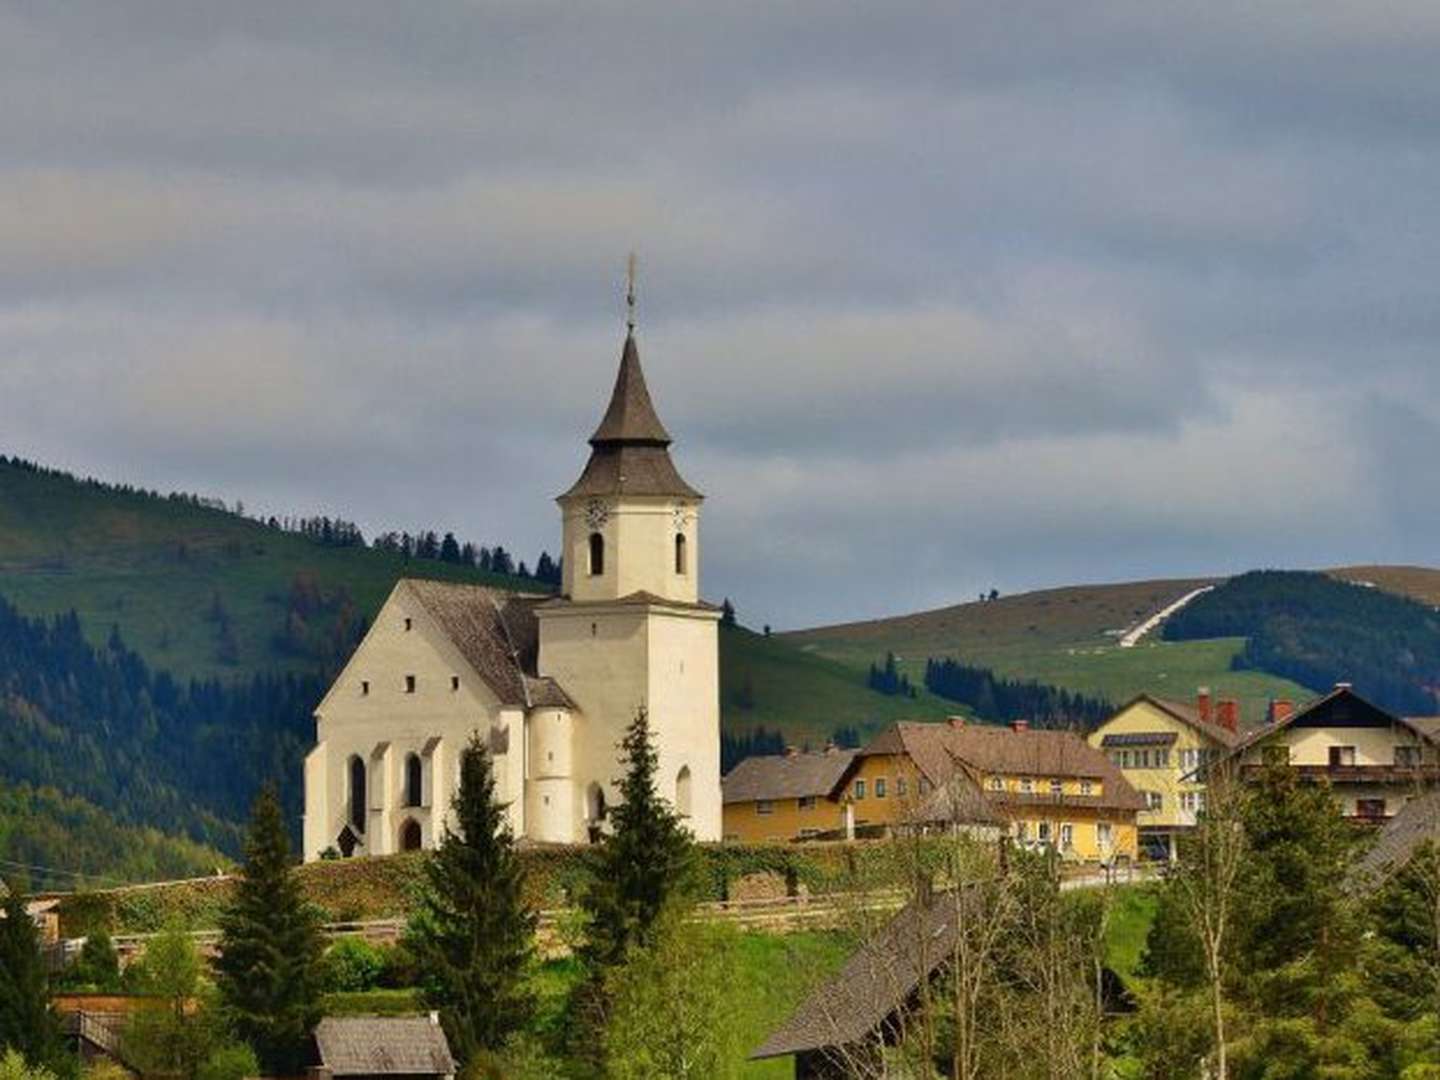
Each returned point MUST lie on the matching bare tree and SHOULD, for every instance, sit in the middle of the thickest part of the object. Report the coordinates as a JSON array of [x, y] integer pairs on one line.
[[1205, 879]]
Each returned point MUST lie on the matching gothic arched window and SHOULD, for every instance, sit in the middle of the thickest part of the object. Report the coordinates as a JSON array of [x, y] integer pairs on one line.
[[412, 780], [682, 792], [680, 567], [597, 554], [410, 835], [357, 794]]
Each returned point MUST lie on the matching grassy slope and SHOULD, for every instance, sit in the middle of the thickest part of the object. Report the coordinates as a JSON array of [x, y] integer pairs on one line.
[[804, 694], [151, 567], [1417, 582], [1066, 637]]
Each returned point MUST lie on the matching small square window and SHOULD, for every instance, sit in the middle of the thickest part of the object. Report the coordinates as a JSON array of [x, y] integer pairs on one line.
[[764, 806], [805, 802], [1087, 787], [364, 687], [997, 783], [409, 684], [409, 625], [454, 682], [859, 789], [900, 786], [1057, 787], [1027, 785], [880, 787]]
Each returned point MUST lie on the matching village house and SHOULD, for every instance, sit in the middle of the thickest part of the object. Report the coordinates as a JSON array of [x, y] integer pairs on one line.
[[549, 682], [1161, 747], [1373, 760], [789, 796], [1043, 788], [362, 1047]]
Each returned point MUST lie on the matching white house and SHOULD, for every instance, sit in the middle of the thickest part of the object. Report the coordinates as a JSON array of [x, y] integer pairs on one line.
[[550, 682]]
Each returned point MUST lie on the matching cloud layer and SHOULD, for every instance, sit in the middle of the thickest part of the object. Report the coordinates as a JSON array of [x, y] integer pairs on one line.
[[934, 298]]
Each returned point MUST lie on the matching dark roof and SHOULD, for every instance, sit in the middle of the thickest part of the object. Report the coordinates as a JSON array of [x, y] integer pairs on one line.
[[785, 776], [991, 748], [383, 1046], [1417, 821], [1139, 738], [630, 455], [630, 417], [876, 981], [1426, 727], [496, 631]]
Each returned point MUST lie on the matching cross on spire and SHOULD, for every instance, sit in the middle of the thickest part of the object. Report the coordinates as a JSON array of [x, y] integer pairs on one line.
[[630, 293]]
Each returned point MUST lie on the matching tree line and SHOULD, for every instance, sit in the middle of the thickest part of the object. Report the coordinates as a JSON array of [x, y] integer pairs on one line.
[[1318, 630], [99, 724], [1002, 700]]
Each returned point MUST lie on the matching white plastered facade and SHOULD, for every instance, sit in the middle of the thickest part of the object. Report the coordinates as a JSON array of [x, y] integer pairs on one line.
[[631, 636]]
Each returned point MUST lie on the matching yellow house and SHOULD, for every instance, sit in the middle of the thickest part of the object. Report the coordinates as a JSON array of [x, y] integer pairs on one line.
[[783, 797], [1049, 788], [1373, 760], [1161, 747]]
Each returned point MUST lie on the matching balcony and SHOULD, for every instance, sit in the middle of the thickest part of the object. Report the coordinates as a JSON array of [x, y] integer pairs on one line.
[[1355, 774]]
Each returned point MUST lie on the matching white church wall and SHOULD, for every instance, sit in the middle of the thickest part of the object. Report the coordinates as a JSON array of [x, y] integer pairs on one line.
[[684, 696], [639, 538]]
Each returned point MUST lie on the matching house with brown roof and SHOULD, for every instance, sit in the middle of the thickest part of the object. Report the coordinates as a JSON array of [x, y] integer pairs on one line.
[[783, 797], [1373, 761], [1047, 788], [549, 682], [1162, 748]]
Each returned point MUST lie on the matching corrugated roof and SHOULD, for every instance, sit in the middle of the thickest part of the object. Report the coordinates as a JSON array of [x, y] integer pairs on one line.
[[1417, 821], [879, 978], [383, 1046], [785, 776], [495, 630]]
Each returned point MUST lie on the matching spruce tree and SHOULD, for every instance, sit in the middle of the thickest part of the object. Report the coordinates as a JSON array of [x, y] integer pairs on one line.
[[268, 971], [26, 1021], [645, 864], [472, 934]]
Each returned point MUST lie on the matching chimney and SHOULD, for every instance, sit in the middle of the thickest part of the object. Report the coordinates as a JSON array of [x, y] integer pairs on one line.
[[1344, 686], [1019, 725], [1281, 709], [955, 722], [434, 1018], [792, 751], [1202, 703], [1227, 714]]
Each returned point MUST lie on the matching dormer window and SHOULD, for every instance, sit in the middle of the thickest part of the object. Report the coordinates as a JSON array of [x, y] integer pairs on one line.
[[680, 559], [597, 554]]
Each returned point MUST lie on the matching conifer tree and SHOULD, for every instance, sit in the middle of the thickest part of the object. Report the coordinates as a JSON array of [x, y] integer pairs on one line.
[[268, 972], [645, 864], [26, 1021], [472, 934]]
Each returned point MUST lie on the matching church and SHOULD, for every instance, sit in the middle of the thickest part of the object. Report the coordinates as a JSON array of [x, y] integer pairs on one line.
[[549, 682]]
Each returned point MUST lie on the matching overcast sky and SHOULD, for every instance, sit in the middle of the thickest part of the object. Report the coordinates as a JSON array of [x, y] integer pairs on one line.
[[934, 297]]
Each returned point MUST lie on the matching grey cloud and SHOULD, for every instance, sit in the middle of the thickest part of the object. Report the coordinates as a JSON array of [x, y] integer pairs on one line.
[[934, 299]]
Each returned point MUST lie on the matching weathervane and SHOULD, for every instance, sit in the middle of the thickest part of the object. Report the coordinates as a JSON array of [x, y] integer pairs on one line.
[[630, 293]]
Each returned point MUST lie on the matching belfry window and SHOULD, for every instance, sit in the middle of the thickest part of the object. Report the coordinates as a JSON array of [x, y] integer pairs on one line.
[[597, 554], [680, 553], [357, 794]]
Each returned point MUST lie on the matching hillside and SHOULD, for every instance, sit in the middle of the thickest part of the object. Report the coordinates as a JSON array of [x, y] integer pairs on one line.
[[155, 565], [1065, 637]]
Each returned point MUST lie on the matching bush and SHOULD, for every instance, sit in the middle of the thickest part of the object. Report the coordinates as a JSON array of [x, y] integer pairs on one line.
[[233, 1062], [352, 965]]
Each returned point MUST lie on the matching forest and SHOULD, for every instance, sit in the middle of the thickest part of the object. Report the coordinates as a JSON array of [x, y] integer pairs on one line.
[[1001, 700], [1318, 630]]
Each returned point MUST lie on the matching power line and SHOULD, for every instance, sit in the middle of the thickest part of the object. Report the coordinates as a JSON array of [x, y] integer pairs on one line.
[[55, 871]]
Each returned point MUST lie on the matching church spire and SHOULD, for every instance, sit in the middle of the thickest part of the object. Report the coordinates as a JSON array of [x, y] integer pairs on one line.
[[631, 418]]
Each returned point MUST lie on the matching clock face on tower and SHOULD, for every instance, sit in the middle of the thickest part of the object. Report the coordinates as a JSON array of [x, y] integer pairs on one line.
[[682, 516], [596, 513]]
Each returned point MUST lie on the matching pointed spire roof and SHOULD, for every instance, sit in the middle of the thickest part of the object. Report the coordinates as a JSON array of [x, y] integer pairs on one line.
[[631, 417]]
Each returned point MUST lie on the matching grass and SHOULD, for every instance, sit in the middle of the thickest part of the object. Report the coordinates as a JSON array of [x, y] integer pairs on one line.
[[1130, 919], [804, 694], [152, 566], [1063, 637], [776, 973]]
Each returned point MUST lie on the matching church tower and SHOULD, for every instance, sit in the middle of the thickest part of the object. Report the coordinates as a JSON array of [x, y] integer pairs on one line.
[[629, 630]]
